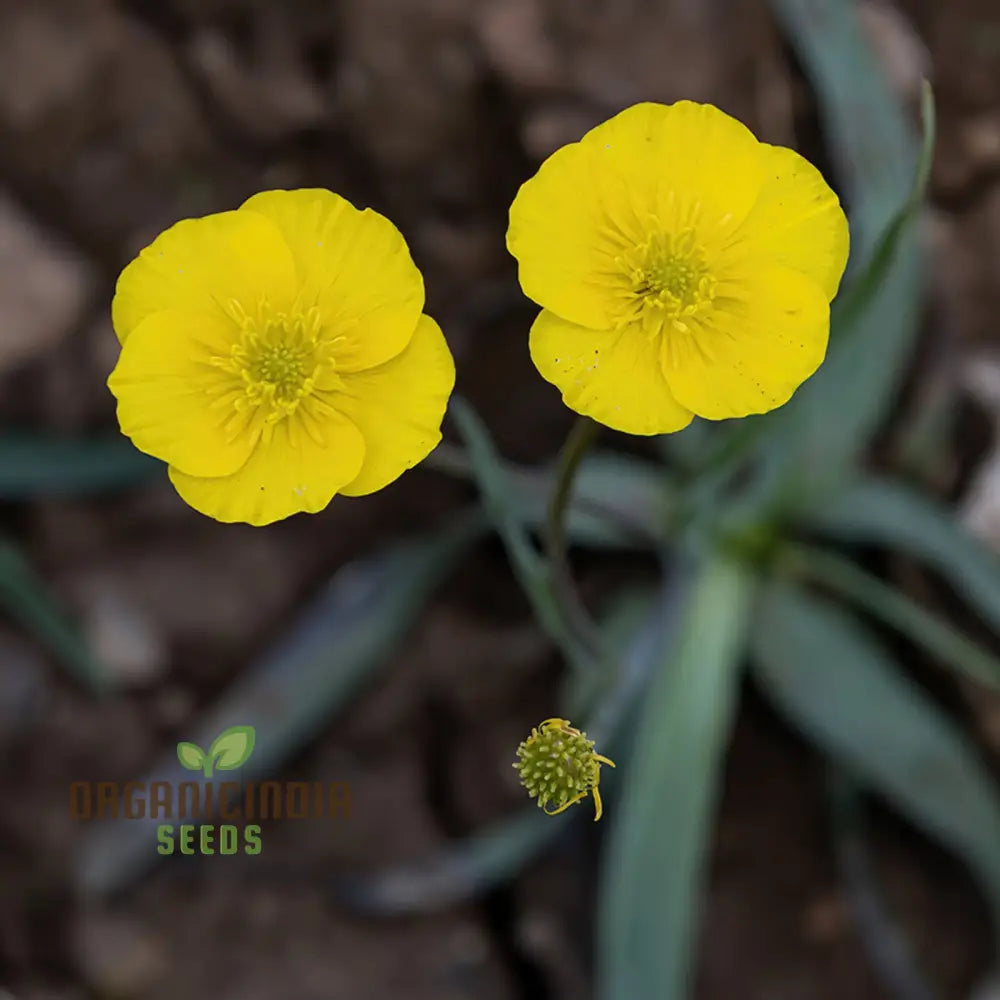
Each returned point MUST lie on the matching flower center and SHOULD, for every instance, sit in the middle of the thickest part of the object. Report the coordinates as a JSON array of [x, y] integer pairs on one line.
[[667, 281], [277, 368], [277, 361], [673, 276]]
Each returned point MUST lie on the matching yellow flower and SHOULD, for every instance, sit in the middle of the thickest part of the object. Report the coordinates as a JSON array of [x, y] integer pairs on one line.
[[683, 267], [276, 355]]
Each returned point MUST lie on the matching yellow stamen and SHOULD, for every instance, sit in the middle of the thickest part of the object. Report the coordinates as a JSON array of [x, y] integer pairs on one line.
[[277, 361], [666, 280]]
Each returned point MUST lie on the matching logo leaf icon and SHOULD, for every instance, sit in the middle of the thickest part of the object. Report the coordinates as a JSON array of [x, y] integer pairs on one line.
[[231, 748], [191, 756]]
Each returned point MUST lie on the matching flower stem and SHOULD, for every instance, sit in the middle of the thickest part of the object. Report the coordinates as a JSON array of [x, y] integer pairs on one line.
[[579, 439]]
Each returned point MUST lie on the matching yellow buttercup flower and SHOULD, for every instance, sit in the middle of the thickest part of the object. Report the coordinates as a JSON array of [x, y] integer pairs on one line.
[[276, 355], [683, 267]]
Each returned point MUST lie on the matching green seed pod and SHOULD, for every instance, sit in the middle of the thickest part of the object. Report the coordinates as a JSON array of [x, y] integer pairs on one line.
[[558, 766]]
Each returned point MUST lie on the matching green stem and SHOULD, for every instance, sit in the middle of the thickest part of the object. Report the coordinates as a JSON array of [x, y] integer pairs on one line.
[[528, 482], [581, 436]]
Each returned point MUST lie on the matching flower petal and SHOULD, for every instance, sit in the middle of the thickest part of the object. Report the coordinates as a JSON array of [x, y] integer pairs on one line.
[[200, 265], [612, 376], [166, 385], [651, 167], [565, 238], [398, 407], [355, 266], [291, 473], [681, 155], [797, 220], [763, 339]]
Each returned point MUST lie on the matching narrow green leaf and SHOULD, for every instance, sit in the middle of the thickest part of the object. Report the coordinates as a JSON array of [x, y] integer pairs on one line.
[[618, 501], [924, 436], [811, 440], [24, 598], [866, 128], [862, 293], [919, 624], [686, 449], [885, 513], [653, 870], [35, 466], [507, 516], [880, 932], [290, 693], [584, 694], [457, 874], [841, 689]]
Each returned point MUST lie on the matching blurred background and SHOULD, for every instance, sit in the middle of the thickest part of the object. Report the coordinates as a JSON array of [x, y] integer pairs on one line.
[[118, 117]]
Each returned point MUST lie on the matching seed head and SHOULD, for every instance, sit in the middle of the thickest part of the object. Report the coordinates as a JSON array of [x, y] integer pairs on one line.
[[558, 766]]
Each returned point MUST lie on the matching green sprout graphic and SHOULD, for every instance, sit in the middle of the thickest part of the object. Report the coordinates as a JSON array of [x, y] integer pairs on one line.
[[229, 750]]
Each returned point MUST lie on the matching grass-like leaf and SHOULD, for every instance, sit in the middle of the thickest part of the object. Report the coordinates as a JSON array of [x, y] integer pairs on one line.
[[24, 597], [888, 514], [866, 128], [815, 437], [457, 874], [837, 685], [919, 624], [653, 868], [33, 466], [508, 517], [881, 933], [619, 502]]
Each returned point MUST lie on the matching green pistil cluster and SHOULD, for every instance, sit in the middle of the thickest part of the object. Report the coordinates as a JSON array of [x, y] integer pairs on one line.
[[558, 765]]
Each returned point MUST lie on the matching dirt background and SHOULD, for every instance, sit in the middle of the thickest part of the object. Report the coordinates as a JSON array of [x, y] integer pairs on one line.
[[116, 119]]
